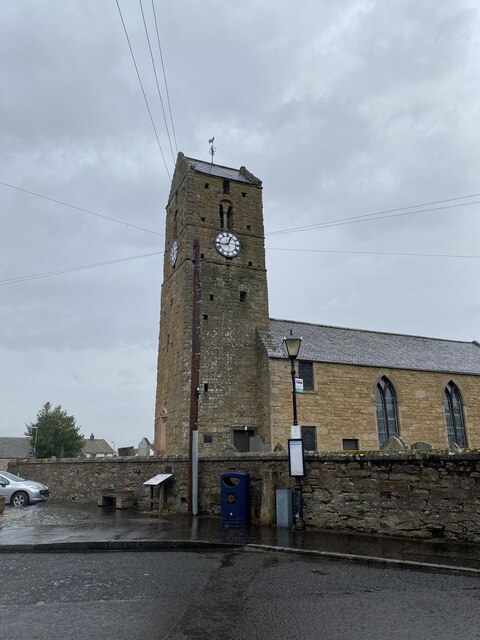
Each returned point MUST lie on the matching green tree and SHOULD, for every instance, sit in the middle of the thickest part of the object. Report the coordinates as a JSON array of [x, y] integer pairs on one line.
[[54, 433]]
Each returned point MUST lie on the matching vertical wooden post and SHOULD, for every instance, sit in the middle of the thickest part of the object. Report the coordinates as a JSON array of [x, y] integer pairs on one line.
[[195, 379]]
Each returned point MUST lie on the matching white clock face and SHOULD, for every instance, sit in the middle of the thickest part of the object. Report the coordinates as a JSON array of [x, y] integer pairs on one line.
[[173, 253], [227, 244]]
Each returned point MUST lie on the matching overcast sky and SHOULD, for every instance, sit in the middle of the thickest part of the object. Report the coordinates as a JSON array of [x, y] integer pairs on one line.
[[342, 108]]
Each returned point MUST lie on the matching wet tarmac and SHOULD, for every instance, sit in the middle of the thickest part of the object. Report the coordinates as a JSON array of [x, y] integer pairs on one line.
[[70, 527]]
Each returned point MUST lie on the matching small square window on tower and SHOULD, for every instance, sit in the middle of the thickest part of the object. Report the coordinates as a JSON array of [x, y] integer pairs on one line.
[[243, 296], [226, 187]]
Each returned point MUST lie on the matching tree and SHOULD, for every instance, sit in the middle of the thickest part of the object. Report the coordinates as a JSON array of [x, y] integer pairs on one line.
[[54, 433]]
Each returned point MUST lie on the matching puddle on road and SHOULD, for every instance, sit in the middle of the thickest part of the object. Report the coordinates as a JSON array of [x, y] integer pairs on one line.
[[228, 561], [270, 561]]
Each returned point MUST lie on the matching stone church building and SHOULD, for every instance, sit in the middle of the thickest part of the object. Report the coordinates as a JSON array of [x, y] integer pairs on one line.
[[359, 387]]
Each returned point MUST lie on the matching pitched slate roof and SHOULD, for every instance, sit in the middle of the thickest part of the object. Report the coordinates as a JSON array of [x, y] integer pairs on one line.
[[97, 446], [14, 447], [322, 343], [222, 172]]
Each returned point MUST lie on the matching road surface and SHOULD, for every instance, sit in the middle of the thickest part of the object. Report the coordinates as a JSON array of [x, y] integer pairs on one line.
[[228, 596]]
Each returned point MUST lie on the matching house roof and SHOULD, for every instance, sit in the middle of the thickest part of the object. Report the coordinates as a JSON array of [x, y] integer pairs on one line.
[[15, 447], [97, 446], [145, 446], [241, 175], [322, 343]]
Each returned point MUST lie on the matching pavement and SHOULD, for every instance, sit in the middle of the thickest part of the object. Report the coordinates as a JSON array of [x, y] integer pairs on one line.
[[54, 527]]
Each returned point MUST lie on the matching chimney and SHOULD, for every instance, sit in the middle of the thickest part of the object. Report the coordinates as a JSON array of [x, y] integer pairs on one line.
[[92, 437]]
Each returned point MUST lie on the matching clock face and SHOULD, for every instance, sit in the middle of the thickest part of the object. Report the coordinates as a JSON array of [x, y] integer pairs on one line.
[[173, 253], [227, 244]]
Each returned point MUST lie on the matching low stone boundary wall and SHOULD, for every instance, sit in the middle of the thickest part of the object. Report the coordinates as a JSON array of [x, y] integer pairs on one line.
[[423, 495], [4, 462]]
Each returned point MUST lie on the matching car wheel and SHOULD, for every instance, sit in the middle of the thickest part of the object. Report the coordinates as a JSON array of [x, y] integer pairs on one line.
[[19, 499]]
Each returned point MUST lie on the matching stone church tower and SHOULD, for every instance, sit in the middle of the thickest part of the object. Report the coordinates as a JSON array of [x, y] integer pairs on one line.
[[222, 208]]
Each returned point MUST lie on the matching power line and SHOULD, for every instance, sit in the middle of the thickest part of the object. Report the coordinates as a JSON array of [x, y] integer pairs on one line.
[[143, 90], [164, 76], [156, 80], [376, 253], [367, 217], [331, 223], [72, 206], [48, 274]]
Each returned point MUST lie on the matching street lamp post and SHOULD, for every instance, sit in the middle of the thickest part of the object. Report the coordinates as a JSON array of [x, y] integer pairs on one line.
[[34, 452], [292, 347]]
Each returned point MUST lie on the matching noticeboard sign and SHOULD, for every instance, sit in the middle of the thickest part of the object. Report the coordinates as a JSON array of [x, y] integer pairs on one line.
[[158, 479], [299, 385], [295, 432], [296, 460]]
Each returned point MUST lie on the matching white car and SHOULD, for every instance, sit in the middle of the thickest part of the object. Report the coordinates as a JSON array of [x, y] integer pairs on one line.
[[20, 492]]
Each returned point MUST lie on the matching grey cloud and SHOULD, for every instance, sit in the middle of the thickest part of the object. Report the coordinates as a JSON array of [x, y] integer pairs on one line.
[[340, 108]]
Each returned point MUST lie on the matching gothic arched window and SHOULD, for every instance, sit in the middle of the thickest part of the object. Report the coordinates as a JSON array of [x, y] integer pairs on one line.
[[386, 406], [452, 403], [225, 215]]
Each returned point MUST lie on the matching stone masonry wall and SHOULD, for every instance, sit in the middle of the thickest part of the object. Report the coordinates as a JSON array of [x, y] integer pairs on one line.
[[427, 495], [342, 405]]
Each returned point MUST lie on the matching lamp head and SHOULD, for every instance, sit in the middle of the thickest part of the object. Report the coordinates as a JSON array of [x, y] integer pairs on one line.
[[291, 345]]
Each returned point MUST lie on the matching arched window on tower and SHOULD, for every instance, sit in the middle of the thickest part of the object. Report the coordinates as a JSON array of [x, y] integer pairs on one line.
[[452, 404], [386, 406], [225, 215]]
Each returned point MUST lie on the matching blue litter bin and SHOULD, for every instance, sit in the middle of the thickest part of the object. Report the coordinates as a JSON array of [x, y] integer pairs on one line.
[[235, 497]]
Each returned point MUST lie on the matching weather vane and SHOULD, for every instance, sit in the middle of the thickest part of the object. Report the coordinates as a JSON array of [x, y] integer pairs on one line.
[[212, 148]]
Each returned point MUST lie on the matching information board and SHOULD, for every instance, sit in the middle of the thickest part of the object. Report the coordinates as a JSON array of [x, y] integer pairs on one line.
[[296, 462]]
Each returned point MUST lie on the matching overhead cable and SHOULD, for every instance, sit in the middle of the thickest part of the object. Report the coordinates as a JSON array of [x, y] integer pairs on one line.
[[331, 223], [164, 76], [368, 217], [47, 274], [56, 272], [335, 222], [143, 90], [376, 253], [72, 206], [156, 80]]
